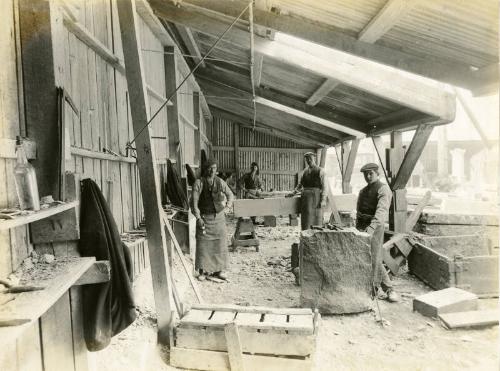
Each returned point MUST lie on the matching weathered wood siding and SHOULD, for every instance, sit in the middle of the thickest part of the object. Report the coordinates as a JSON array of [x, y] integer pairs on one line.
[[97, 137], [279, 159]]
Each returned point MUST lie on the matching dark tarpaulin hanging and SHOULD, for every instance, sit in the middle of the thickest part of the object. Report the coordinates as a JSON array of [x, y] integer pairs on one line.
[[108, 307], [174, 189], [191, 177]]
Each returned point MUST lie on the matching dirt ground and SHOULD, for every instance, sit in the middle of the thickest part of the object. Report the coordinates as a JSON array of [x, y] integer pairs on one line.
[[408, 341]]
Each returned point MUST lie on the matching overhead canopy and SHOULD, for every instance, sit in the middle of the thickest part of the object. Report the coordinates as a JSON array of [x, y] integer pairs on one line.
[[326, 92]]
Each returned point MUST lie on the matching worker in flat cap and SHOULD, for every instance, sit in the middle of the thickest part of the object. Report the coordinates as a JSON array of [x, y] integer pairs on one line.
[[211, 198], [372, 211], [312, 185]]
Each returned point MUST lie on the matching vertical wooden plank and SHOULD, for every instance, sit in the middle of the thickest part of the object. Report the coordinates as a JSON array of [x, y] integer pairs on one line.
[[346, 149], [79, 347], [29, 350], [160, 268], [57, 341], [350, 165], [173, 110], [234, 347], [236, 139], [40, 93]]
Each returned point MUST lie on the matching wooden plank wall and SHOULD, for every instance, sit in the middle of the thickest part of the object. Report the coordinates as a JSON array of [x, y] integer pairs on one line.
[[14, 243], [279, 159], [99, 91]]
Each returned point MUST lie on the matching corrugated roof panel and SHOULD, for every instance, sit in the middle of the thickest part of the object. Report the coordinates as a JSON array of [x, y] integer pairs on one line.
[[458, 31], [350, 15]]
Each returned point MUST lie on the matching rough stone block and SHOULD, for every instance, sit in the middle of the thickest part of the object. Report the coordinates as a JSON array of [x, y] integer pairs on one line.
[[270, 221], [476, 318], [450, 300], [336, 271]]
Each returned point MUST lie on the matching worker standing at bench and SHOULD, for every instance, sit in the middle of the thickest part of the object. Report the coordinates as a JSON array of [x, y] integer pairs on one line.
[[312, 184], [372, 209], [211, 197], [251, 184]]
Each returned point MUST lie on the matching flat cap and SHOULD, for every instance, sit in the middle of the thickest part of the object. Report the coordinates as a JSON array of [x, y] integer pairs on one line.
[[309, 154], [369, 166]]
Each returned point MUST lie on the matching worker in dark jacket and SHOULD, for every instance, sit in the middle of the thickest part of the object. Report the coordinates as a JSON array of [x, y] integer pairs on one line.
[[372, 210], [312, 184], [251, 185], [211, 198]]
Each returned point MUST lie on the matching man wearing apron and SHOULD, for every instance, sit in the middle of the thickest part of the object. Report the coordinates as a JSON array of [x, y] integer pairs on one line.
[[251, 184], [372, 210], [211, 197], [313, 197]]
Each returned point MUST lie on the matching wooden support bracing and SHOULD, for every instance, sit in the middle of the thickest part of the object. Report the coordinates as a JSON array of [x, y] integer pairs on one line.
[[411, 157], [171, 82], [385, 19], [401, 170], [160, 268], [324, 89], [197, 132], [472, 117], [190, 42], [349, 152]]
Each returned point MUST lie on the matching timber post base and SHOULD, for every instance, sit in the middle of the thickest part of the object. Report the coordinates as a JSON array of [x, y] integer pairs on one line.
[[244, 235]]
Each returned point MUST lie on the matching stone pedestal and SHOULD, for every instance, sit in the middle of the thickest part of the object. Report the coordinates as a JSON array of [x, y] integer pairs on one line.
[[335, 271]]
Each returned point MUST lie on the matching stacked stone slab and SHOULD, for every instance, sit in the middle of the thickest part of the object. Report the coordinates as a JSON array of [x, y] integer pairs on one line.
[[466, 261], [335, 271], [441, 224]]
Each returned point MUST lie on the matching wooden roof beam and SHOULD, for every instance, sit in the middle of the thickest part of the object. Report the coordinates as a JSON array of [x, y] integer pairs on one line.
[[402, 120], [385, 19], [325, 127], [308, 116], [266, 115], [325, 88], [427, 96], [241, 82], [245, 122], [211, 17], [188, 39]]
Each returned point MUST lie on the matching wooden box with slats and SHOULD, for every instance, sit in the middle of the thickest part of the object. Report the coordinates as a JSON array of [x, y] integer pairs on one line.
[[270, 338]]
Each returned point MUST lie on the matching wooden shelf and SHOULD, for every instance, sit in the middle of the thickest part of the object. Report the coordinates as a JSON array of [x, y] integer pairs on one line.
[[27, 307], [37, 215]]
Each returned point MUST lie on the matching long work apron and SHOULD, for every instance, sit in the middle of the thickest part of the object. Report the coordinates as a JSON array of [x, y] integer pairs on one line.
[[311, 212], [211, 247]]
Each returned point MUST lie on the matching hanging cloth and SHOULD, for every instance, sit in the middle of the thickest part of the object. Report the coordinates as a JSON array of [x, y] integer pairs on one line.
[[108, 307]]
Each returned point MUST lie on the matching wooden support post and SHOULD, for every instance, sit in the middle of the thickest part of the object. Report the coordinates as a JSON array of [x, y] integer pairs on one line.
[[173, 110], [401, 169], [39, 63], [160, 268], [197, 133], [346, 148], [322, 162], [412, 155], [236, 138], [348, 159]]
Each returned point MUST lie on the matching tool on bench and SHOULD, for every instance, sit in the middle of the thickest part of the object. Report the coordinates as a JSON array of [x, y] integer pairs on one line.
[[16, 289]]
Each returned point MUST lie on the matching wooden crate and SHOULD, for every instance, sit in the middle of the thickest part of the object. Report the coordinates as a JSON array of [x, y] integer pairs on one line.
[[271, 338], [463, 263]]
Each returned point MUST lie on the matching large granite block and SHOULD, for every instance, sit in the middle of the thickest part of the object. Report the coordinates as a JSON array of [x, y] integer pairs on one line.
[[335, 271]]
